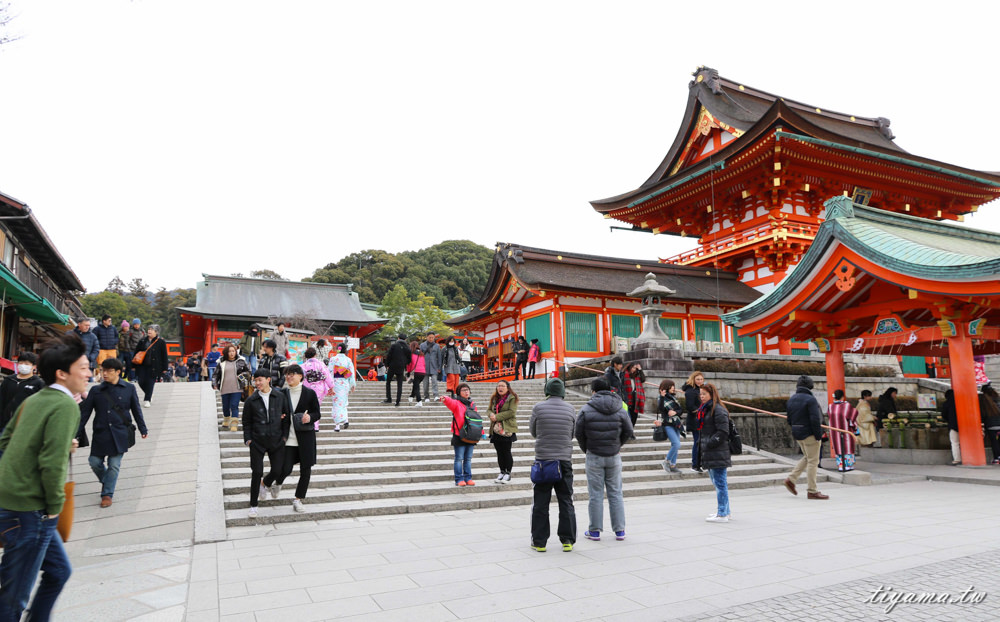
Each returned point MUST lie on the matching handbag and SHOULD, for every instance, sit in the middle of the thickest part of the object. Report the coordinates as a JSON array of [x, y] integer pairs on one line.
[[303, 427], [141, 356], [660, 433], [545, 472], [735, 442]]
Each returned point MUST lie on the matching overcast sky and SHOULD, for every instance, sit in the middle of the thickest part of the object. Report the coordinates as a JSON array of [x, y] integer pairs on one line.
[[166, 139]]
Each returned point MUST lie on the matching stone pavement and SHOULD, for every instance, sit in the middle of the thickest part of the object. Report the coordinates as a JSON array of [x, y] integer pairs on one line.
[[782, 557]]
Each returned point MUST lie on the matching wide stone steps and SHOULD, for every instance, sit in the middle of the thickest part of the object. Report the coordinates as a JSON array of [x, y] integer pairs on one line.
[[479, 496], [396, 460]]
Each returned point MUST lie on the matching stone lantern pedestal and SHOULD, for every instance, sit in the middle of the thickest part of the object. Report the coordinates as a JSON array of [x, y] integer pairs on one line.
[[652, 349]]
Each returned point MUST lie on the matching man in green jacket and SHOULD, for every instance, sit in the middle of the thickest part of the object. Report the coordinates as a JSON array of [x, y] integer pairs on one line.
[[36, 445]]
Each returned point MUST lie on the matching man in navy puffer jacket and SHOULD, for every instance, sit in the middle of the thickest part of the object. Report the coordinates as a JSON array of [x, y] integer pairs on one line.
[[806, 419]]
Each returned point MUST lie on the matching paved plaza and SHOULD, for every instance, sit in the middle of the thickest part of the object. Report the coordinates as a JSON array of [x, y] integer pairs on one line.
[[161, 552]]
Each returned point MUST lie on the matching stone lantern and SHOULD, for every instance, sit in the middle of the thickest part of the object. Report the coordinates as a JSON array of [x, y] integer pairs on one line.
[[652, 294]]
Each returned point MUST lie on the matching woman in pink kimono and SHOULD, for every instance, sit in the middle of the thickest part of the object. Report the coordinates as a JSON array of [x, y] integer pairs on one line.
[[316, 376], [843, 416], [342, 370]]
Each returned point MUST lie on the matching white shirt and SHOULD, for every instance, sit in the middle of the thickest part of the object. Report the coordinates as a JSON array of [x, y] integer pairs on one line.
[[295, 393]]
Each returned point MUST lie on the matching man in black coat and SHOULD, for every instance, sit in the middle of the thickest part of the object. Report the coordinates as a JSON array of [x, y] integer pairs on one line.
[[396, 360], [614, 376], [19, 386], [273, 363], [266, 421], [301, 446], [806, 419], [114, 403]]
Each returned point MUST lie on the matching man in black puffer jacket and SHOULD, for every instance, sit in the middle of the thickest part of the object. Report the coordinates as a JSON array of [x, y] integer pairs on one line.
[[397, 359], [601, 429], [806, 419]]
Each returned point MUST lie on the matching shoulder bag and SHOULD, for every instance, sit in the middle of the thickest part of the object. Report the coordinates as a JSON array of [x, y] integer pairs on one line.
[[141, 356], [545, 472]]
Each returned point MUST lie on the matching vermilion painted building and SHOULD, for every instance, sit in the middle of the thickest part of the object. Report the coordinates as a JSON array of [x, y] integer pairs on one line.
[[748, 173], [574, 304]]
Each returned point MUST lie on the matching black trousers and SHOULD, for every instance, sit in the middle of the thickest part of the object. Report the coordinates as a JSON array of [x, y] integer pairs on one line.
[[147, 381], [994, 436], [531, 370], [277, 460], [504, 458], [540, 528], [417, 379], [398, 375], [292, 457], [520, 367]]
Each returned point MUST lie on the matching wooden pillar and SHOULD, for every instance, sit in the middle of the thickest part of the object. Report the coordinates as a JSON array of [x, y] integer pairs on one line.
[[560, 341], [834, 373], [352, 332], [963, 383], [606, 320]]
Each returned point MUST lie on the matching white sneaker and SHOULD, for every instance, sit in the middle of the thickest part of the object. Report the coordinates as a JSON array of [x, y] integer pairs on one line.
[[499, 479], [275, 489], [253, 512], [506, 478], [146, 404], [419, 404], [665, 465], [410, 399], [263, 493], [714, 518], [297, 506]]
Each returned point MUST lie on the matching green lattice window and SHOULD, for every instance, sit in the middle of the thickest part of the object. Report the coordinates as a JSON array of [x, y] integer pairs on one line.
[[707, 330], [673, 327], [746, 345], [625, 326], [799, 348], [538, 328], [581, 332]]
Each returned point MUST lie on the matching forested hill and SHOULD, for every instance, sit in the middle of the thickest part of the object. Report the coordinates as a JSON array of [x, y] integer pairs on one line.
[[453, 272]]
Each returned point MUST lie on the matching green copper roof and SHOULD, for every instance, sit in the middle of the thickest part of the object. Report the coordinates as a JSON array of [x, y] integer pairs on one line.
[[908, 245]]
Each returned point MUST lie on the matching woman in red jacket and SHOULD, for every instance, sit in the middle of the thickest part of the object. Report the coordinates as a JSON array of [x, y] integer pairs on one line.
[[459, 406]]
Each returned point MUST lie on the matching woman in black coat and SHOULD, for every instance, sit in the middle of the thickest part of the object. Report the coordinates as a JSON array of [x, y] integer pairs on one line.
[[714, 423], [301, 444], [153, 364], [886, 406], [692, 400]]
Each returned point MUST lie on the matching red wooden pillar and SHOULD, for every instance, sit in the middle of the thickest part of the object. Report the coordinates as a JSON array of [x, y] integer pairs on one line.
[[560, 341], [963, 383], [834, 373]]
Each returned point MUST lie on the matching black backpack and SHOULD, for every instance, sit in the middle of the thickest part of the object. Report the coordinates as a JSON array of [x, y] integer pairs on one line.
[[472, 430], [735, 442]]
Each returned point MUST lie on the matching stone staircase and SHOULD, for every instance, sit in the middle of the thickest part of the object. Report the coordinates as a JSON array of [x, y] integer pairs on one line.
[[399, 460]]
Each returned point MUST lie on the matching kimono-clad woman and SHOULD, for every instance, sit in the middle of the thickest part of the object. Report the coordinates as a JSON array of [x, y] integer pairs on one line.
[[342, 370], [316, 376], [844, 416], [866, 420]]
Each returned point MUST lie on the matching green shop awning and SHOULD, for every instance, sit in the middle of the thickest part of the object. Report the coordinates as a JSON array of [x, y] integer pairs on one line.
[[16, 296]]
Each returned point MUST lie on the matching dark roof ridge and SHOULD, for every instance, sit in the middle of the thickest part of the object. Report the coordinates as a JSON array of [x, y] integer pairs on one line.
[[654, 265]]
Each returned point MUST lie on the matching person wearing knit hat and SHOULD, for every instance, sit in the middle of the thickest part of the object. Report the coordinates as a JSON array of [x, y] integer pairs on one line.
[[135, 335], [124, 353], [552, 423]]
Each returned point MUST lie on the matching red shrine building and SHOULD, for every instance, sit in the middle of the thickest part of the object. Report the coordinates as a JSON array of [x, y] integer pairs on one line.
[[576, 305], [748, 174]]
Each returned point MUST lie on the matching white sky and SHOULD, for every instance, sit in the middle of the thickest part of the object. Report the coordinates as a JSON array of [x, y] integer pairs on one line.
[[185, 137]]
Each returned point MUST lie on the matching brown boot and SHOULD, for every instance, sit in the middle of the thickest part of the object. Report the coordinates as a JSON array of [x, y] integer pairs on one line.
[[233, 423], [790, 485], [817, 495], [105, 501], [226, 421]]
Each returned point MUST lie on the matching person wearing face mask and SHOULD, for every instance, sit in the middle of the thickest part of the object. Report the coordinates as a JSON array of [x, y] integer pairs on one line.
[[451, 364], [16, 388]]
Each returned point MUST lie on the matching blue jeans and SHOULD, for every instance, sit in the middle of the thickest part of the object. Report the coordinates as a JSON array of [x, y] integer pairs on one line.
[[463, 462], [675, 444], [231, 405], [718, 477], [252, 361], [30, 544], [107, 476], [695, 453], [605, 472]]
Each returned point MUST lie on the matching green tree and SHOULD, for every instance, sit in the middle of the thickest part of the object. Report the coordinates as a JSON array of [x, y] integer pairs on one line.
[[116, 285], [137, 287], [410, 316], [96, 305], [267, 274], [165, 305]]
